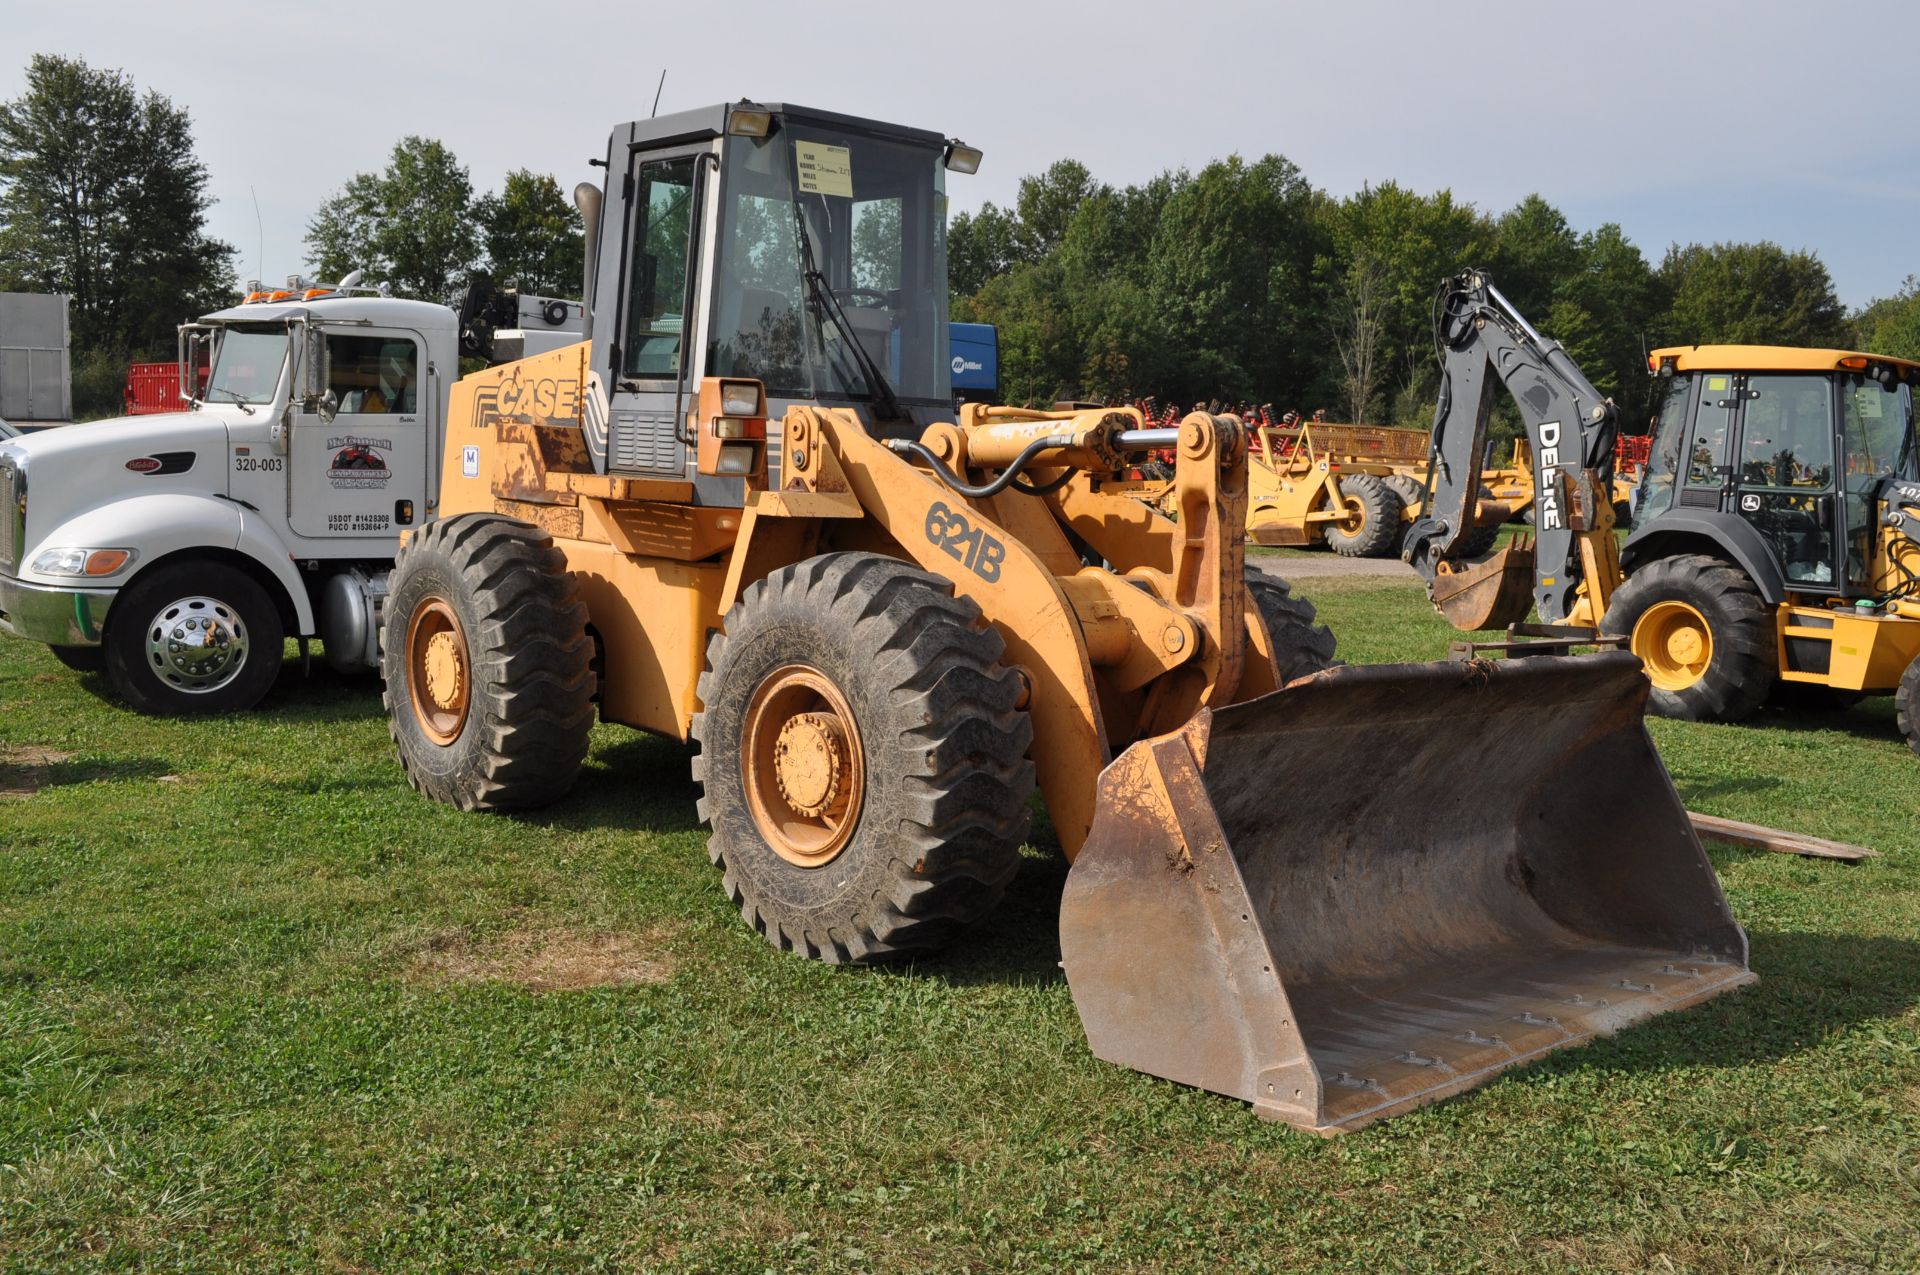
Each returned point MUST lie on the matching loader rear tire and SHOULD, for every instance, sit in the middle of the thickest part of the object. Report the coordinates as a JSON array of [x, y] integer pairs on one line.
[[1906, 705], [486, 658], [1699, 626], [1300, 646], [1374, 514], [863, 763]]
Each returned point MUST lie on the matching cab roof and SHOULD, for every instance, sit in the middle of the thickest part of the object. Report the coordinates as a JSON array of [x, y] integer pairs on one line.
[[1769, 358], [386, 312], [711, 121]]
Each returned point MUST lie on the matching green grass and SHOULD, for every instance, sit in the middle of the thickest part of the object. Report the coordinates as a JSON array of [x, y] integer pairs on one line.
[[246, 1023]]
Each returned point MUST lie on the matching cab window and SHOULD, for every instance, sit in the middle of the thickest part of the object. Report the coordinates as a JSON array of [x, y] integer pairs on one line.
[[1876, 425], [373, 375], [661, 247]]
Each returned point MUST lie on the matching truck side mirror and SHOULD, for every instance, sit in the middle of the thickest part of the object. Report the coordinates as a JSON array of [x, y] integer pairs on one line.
[[315, 374]]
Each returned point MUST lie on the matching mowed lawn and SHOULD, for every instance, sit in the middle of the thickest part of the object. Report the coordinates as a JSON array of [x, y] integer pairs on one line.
[[263, 1008]]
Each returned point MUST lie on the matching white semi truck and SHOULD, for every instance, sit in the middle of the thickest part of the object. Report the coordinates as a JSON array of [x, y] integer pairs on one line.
[[178, 552]]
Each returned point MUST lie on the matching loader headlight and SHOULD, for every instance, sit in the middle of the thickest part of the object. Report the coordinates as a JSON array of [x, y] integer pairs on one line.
[[747, 119], [740, 398], [962, 158], [71, 561]]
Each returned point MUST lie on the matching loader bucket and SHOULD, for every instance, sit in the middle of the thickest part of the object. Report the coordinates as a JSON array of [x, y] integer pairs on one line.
[[1489, 594], [1382, 885]]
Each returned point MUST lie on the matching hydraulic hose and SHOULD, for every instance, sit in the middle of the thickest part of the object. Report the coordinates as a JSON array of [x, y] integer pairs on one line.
[[1007, 477]]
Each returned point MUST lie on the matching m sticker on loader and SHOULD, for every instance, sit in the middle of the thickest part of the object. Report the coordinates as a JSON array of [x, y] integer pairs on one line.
[[971, 546]]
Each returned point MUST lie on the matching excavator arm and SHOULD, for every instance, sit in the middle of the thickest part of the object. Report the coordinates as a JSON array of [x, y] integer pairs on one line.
[[1485, 345]]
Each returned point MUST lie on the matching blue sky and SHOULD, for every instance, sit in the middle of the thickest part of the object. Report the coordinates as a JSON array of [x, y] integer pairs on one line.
[[1680, 121]]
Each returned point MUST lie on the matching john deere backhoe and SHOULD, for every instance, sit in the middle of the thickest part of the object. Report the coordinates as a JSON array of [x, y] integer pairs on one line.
[[1776, 542], [742, 514]]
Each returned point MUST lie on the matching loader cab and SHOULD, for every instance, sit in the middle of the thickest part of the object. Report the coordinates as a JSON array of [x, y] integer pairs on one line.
[[799, 248], [1781, 458]]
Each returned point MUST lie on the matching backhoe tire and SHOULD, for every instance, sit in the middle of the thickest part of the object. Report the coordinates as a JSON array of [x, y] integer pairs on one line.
[[1374, 514], [81, 659], [1300, 646], [486, 658], [194, 639], [1906, 705], [863, 764], [1706, 638]]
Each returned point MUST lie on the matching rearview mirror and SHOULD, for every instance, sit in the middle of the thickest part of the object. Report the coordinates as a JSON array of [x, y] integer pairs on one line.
[[315, 374]]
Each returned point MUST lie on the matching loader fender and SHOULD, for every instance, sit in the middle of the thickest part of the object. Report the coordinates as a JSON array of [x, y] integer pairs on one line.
[[1358, 943], [997, 568]]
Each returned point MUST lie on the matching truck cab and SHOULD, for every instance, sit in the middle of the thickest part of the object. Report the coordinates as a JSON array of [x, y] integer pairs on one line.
[[178, 551]]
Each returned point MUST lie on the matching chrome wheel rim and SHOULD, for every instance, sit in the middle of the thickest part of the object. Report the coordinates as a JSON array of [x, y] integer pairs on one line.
[[196, 645]]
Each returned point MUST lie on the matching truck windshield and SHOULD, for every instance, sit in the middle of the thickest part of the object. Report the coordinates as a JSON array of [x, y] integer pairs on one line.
[[247, 368], [874, 213]]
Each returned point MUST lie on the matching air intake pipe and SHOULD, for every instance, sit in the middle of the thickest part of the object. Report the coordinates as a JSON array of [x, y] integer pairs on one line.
[[586, 197]]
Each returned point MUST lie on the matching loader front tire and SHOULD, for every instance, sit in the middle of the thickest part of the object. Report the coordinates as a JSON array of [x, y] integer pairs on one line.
[[1300, 646], [1371, 525], [1906, 705], [1699, 626], [486, 659], [862, 761]]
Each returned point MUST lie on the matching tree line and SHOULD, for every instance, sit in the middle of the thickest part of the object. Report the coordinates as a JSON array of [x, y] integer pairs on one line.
[[1241, 281], [102, 197], [1244, 282]]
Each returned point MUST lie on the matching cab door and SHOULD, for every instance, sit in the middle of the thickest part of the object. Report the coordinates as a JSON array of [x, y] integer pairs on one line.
[[363, 474], [657, 346], [1783, 475]]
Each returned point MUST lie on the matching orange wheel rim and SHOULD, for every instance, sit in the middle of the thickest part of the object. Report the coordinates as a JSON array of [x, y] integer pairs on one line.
[[804, 767], [439, 670], [1675, 643], [1356, 515]]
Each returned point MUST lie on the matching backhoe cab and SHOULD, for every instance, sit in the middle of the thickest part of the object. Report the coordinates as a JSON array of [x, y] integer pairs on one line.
[[743, 514], [1777, 526]]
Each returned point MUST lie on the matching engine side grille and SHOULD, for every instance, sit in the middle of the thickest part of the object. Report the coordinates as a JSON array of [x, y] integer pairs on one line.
[[643, 442]]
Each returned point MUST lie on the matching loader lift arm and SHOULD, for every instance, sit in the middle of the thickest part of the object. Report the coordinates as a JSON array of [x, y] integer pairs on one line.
[[1485, 343]]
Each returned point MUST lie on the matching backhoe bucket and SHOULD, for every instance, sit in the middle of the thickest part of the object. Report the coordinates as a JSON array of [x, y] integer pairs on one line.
[[1489, 594], [1382, 885]]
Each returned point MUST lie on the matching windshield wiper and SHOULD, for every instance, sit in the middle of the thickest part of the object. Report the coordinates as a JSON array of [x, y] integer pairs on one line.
[[886, 406], [212, 389]]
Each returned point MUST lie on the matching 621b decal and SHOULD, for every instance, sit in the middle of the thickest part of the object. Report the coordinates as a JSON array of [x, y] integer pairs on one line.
[[979, 552]]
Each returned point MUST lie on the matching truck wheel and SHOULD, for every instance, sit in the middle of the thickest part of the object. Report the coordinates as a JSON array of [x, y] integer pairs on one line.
[[485, 654], [1704, 635], [1906, 705], [81, 659], [1300, 646], [1371, 525], [863, 765], [193, 638]]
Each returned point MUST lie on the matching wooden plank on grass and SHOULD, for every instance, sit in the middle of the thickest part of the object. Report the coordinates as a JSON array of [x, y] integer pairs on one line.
[[1752, 834]]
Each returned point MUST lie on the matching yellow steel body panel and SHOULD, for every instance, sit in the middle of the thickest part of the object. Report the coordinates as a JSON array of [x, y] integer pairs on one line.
[[1764, 358], [1866, 652]]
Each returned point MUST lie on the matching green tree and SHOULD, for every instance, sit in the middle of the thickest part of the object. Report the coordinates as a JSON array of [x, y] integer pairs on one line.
[[1891, 325], [532, 235], [980, 246], [1749, 294], [101, 198], [411, 226]]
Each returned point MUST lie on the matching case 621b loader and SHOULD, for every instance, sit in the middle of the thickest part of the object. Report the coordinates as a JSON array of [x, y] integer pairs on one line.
[[742, 514]]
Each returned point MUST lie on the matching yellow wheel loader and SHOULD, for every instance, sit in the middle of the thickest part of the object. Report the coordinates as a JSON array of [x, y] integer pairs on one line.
[[742, 514], [1776, 542]]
